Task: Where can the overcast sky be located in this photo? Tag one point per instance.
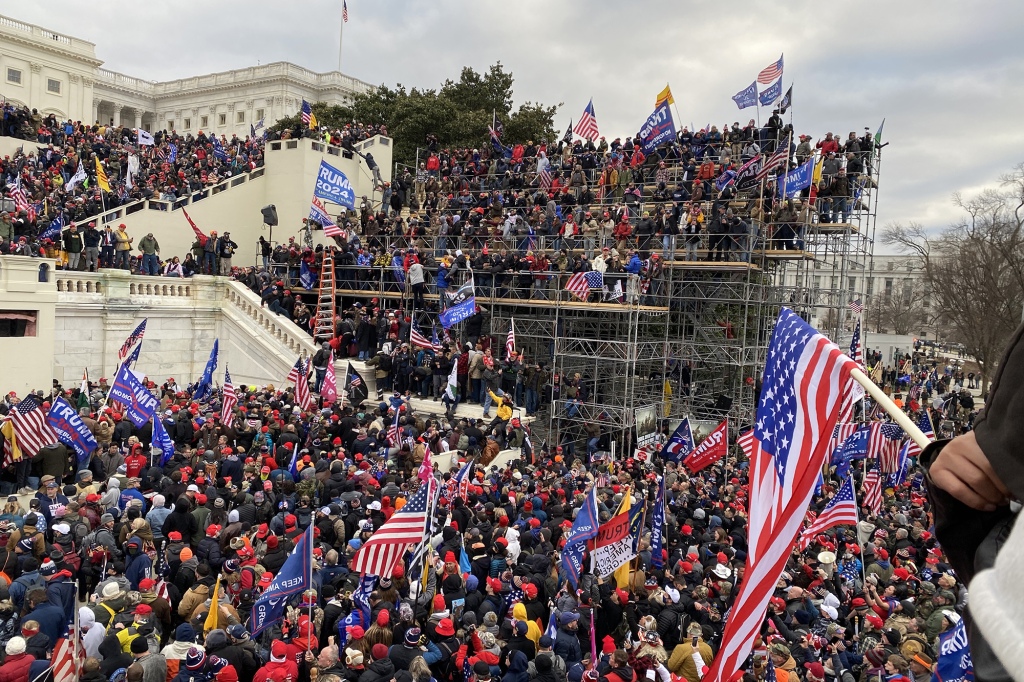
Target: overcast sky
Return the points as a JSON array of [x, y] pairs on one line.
[[945, 75]]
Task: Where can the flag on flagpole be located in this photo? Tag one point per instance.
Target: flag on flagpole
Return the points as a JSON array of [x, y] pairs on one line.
[[307, 114], [871, 489], [680, 443], [355, 388], [803, 383], [145, 138], [133, 338], [199, 235], [580, 284], [510, 340], [856, 307], [584, 529], [101, 176], [294, 577], [63, 662], [394, 431], [329, 391], [344, 11], [924, 422], [658, 527], [664, 96], [622, 572], [787, 101], [840, 511], [381, 553], [79, 177], [779, 158], [30, 426], [587, 126], [229, 400], [567, 138], [856, 347], [318, 212], [83, 390], [452, 389], [878, 133], [202, 389], [302, 395], [770, 73], [212, 621]]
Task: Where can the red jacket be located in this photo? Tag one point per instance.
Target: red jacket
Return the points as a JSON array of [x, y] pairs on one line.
[[15, 668], [271, 672]]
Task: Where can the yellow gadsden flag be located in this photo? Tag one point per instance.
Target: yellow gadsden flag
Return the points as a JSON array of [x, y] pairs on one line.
[[622, 572], [213, 617], [101, 176], [664, 96]]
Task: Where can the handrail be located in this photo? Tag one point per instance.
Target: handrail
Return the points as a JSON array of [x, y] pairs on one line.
[[244, 301]]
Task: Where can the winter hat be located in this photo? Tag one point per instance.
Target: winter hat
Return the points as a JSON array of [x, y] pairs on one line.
[[140, 645], [353, 657], [607, 645], [278, 651], [227, 674], [195, 659], [379, 651], [521, 628], [383, 619], [15, 646], [233, 516], [412, 636], [185, 554], [185, 633], [439, 604], [876, 657]]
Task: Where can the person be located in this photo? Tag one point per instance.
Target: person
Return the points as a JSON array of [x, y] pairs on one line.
[[150, 249], [73, 245], [225, 250], [17, 662], [122, 247]]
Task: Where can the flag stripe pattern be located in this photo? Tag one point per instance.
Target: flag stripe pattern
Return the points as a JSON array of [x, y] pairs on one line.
[[129, 343], [884, 445], [302, 394], [307, 112], [419, 341], [804, 378], [394, 432], [777, 159], [770, 73], [379, 555], [65, 667], [510, 340], [230, 399], [586, 127], [856, 307], [581, 283], [924, 423], [30, 427], [344, 11], [841, 510], [871, 489]]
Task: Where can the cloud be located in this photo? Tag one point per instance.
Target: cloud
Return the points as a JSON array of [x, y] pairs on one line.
[[943, 75]]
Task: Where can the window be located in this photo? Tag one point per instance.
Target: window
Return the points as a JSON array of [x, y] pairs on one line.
[[871, 286], [13, 75], [888, 288], [240, 117], [222, 119], [853, 284], [53, 86], [889, 266], [204, 121], [188, 124], [259, 114], [908, 290], [170, 124], [817, 282], [18, 323]]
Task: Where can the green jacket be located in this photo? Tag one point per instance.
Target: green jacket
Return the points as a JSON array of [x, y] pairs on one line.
[[149, 245]]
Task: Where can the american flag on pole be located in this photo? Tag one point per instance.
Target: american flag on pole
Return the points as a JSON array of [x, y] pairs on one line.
[[30, 428], [381, 553], [581, 283], [884, 445], [63, 662], [459, 483], [293, 375], [770, 73], [344, 11], [19, 197], [804, 378], [394, 432], [840, 511], [544, 178], [871, 489], [419, 341], [924, 422], [510, 340], [230, 400], [856, 307], [307, 112], [586, 127], [318, 212], [780, 157], [302, 395], [133, 338], [856, 346]]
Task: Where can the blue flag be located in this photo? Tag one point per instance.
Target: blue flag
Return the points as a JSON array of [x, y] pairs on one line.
[[295, 576], [746, 97], [583, 529], [658, 527], [332, 185], [854, 447], [134, 356], [499, 147], [55, 228], [552, 628], [797, 179], [461, 306], [306, 276], [71, 430], [636, 519], [163, 441], [772, 93], [173, 155], [680, 443], [725, 179], [658, 128], [464, 564], [293, 466], [398, 270], [140, 405], [218, 149], [205, 382], [954, 663]]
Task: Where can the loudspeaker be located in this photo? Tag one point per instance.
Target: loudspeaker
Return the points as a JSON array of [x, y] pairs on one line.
[[269, 215]]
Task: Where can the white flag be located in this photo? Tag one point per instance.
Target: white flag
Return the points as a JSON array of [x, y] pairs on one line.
[[452, 390], [77, 178], [145, 137]]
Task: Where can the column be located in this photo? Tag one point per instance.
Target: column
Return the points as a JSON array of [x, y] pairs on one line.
[[95, 110], [138, 118], [117, 114], [36, 86]]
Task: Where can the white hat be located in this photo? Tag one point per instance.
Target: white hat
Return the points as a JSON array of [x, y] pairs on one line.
[[722, 571], [110, 590], [830, 611], [15, 646], [672, 593], [375, 505], [193, 488], [61, 528], [233, 516]]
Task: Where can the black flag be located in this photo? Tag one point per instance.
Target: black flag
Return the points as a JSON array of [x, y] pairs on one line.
[[787, 100], [567, 138], [355, 387]]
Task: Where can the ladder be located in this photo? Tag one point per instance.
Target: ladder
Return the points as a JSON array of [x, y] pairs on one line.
[[324, 329]]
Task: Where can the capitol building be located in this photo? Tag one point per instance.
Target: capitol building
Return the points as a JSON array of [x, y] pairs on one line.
[[62, 75]]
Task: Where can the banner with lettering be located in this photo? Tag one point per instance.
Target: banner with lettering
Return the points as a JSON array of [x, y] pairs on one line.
[[294, 577], [613, 546], [710, 450], [954, 663], [140, 405], [332, 185], [658, 129], [71, 430]]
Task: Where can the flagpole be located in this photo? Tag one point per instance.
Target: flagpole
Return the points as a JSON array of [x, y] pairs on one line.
[[341, 34], [883, 401], [309, 582], [863, 571]]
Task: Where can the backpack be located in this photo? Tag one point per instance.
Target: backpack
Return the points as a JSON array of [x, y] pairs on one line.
[[448, 671], [384, 364], [119, 675]]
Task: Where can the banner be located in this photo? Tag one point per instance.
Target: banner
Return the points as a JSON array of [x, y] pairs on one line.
[[71, 430], [746, 97], [658, 527], [203, 387], [140, 405], [329, 391], [306, 276], [710, 450], [146, 138], [797, 179], [613, 546], [772, 94], [462, 306], [162, 440], [294, 577], [854, 447], [954, 663], [333, 186], [658, 129], [680, 443], [646, 421], [583, 530], [746, 176]]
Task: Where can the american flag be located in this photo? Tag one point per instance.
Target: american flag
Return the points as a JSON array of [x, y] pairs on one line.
[[924, 422], [30, 427], [133, 338], [65, 667], [586, 127], [230, 399], [884, 445], [344, 11], [161, 590], [581, 283], [770, 73], [19, 197], [803, 383], [394, 432], [544, 177], [307, 112], [856, 347], [515, 594], [293, 375], [915, 392], [856, 307], [302, 394], [510, 340], [841, 510], [459, 483], [871, 489], [780, 157], [407, 526], [420, 341]]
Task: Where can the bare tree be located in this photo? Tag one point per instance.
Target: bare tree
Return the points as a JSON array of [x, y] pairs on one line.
[[901, 311], [975, 268]]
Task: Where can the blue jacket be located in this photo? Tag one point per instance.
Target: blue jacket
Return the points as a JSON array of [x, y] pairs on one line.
[[634, 265], [50, 618], [63, 592], [138, 568]]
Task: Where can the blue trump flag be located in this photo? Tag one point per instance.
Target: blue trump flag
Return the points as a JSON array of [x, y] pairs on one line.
[[854, 447], [462, 306], [172, 156], [658, 129], [583, 529], [306, 276], [162, 440], [294, 577], [71, 430], [679, 444], [140, 405], [205, 382], [797, 179], [361, 614], [772, 94], [398, 270], [746, 97], [332, 185], [954, 663], [658, 527], [55, 228]]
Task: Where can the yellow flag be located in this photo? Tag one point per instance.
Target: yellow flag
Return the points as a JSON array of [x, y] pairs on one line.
[[213, 617], [816, 176], [312, 120], [621, 574], [666, 393], [664, 96], [12, 440], [101, 176]]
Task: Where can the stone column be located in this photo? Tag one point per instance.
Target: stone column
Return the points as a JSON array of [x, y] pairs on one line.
[[138, 118], [117, 114], [95, 110]]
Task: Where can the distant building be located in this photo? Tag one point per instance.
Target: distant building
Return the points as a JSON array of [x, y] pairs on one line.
[[59, 74]]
